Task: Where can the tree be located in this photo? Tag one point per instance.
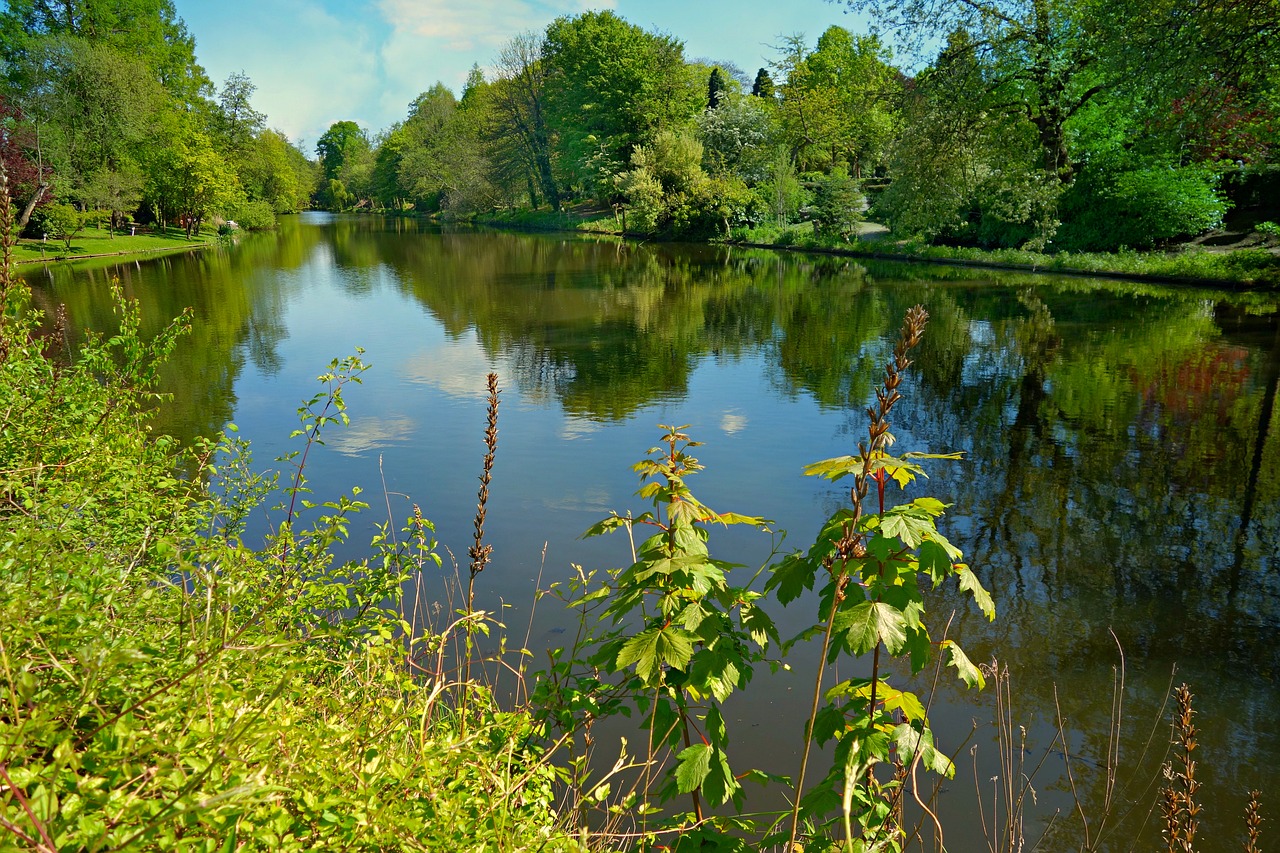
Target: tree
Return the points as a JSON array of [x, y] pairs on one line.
[[117, 192], [87, 120], [1041, 55], [338, 146], [20, 153], [273, 170], [963, 169], [188, 179], [148, 32], [519, 114], [737, 138], [236, 121], [64, 222], [612, 86], [840, 101], [763, 86], [716, 85]]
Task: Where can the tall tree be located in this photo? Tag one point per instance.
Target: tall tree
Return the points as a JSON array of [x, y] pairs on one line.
[[1042, 55], [611, 86], [839, 101], [236, 121], [763, 85], [520, 113], [29, 178], [716, 86]]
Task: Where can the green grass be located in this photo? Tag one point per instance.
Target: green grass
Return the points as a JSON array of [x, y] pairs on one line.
[[97, 241], [1242, 267]]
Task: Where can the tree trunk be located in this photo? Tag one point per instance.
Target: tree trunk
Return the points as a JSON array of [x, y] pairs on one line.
[[25, 216]]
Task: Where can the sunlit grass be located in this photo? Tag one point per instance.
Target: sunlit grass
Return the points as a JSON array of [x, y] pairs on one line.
[[98, 241]]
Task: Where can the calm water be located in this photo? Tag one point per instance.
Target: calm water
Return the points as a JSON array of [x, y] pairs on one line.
[[1120, 487]]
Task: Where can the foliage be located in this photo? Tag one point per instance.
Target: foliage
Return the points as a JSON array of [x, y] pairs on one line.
[[872, 565], [1109, 207], [837, 206], [612, 86], [166, 686], [254, 215], [64, 223]]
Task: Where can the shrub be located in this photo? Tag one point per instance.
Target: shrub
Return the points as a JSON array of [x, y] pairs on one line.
[[1110, 206], [255, 216]]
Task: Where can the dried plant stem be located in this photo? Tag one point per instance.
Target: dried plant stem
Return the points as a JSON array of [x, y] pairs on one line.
[[480, 552], [1177, 799], [1253, 823]]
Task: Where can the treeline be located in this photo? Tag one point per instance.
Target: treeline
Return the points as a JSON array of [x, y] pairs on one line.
[[1040, 124], [105, 112], [1045, 124]]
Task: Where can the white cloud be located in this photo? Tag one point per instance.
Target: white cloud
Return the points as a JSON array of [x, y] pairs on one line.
[[462, 27], [439, 40], [364, 434]]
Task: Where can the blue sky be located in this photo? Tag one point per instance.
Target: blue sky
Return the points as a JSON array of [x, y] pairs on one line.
[[320, 61]]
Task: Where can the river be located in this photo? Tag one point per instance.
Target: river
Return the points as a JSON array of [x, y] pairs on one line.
[[1119, 493]]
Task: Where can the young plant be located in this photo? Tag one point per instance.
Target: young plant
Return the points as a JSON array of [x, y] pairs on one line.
[[685, 637], [872, 603]]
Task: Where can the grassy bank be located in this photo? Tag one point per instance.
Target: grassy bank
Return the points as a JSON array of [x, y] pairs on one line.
[[1190, 264], [98, 242], [1238, 268]]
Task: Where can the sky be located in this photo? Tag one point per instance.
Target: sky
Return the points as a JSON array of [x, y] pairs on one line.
[[315, 62]]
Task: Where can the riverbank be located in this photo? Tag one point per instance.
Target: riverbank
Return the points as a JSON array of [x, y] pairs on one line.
[[99, 243], [1220, 259]]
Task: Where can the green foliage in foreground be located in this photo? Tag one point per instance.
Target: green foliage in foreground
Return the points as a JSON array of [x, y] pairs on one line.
[[165, 687]]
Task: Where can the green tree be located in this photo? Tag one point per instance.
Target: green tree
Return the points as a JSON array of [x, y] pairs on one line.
[[716, 86], [188, 180], [64, 222], [963, 168], [1040, 54], [236, 122], [272, 169], [840, 101], [116, 191], [737, 138], [86, 119], [518, 131], [763, 85], [149, 32], [612, 86], [338, 146]]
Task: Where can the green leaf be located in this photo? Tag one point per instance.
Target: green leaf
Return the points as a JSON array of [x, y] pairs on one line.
[[758, 624], [969, 673], [934, 561], [654, 647], [869, 623], [969, 583], [911, 742], [792, 577], [693, 767]]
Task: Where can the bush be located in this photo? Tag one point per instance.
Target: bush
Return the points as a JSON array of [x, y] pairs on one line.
[[64, 223], [1108, 206], [837, 205], [255, 216]]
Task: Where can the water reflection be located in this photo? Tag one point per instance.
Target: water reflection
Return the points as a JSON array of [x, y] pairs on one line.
[[1121, 451]]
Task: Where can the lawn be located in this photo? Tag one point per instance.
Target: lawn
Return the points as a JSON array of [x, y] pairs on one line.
[[97, 241]]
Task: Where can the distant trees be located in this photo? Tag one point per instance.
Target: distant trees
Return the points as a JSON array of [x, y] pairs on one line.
[[106, 101]]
